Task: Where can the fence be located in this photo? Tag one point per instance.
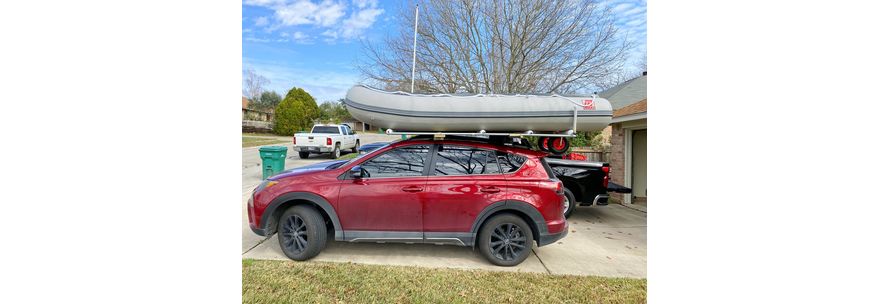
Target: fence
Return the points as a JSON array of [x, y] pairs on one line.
[[592, 155]]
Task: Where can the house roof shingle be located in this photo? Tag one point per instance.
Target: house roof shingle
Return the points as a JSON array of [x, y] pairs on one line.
[[622, 95], [634, 108]]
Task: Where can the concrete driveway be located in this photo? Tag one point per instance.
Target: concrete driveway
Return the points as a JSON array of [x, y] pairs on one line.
[[604, 241]]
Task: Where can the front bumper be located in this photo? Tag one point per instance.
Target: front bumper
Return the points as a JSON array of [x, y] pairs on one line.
[[313, 149], [547, 239]]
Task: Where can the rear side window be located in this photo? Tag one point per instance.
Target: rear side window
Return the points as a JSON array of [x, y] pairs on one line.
[[326, 130], [510, 162], [463, 160], [401, 162]]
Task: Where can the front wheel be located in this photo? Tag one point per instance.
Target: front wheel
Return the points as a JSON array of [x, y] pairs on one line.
[[505, 240], [301, 233], [355, 149]]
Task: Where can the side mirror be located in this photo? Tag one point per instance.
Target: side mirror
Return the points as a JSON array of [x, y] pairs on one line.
[[356, 172]]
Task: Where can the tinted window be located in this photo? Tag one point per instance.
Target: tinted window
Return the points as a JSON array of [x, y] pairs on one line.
[[407, 161], [342, 128], [510, 162], [462, 160], [325, 130]]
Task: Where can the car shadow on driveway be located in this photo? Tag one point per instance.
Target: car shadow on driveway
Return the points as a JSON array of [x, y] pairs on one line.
[[604, 241]]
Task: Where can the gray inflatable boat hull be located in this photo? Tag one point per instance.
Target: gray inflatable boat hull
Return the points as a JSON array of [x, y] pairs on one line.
[[470, 113]]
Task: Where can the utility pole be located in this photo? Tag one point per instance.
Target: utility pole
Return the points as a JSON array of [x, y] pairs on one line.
[[414, 59]]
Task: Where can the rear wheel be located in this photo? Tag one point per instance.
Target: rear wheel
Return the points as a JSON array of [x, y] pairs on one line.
[[505, 240], [336, 153], [301, 233], [304, 154], [568, 203]]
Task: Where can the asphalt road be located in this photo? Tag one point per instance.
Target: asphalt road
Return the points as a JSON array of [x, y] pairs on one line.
[[604, 241]]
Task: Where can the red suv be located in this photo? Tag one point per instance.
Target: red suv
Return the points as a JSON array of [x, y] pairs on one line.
[[456, 191]]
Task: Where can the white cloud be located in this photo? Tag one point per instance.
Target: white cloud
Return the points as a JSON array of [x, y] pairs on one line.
[[301, 38], [263, 2], [261, 21], [365, 3], [326, 13], [358, 22]]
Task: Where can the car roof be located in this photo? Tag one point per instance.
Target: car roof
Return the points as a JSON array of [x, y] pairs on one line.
[[470, 141]]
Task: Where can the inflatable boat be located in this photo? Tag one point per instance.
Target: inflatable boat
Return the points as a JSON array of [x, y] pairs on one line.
[[471, 113]]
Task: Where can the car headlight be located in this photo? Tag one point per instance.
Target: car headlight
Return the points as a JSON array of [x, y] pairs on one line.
[[263, 185]]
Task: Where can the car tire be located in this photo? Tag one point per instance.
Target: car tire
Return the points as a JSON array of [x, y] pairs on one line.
[[504, 227], [355, 149], [336, 153], [303, 155], [572, 203], [301, 233]]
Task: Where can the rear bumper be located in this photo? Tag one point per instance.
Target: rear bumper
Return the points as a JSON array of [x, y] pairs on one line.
[[313, 149], [601, 200], [547, 239]]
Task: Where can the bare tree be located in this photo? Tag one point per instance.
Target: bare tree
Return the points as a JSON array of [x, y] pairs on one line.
[[253, 84], [524, 46]]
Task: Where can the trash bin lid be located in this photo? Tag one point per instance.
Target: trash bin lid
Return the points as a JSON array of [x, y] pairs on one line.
[[273, 149]]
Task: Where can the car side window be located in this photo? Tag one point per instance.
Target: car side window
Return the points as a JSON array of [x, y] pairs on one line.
[[343, 130], [510, 162], [401, 162], [463, 160]]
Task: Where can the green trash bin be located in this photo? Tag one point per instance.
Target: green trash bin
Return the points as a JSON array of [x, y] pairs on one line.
[[273, 159]]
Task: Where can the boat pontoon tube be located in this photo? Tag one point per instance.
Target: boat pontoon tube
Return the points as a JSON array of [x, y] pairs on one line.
[[494, 113]]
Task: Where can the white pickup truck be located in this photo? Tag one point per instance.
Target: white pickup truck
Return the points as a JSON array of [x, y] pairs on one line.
[[326, 139]]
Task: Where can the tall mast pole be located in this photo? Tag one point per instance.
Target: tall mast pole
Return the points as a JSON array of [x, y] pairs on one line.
[[414, 59]]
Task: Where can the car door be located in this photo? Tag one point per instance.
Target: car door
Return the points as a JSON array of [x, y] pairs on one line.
[[387, 198], [463, 181]]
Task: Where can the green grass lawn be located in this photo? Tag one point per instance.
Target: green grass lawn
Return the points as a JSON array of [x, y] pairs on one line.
[[250, 141], [302, 282]]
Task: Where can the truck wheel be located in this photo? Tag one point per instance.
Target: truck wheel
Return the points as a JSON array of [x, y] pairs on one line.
[[304, 155], [355, 149], [505, 240], [336, 153], [301, 233], [568, 203]]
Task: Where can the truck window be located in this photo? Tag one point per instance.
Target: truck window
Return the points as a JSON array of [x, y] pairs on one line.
[[325, 130]]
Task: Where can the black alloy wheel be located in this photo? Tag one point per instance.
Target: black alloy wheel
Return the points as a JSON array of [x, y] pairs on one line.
[[295, 235], [302, 233], [505, 240]]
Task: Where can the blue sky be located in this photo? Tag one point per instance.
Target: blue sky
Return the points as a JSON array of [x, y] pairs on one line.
[[316, 44]]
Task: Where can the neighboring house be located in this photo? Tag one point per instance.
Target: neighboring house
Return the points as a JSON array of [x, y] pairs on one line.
[[628, 128], [253, 120]]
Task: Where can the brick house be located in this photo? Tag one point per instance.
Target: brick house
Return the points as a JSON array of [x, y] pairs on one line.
[[628, 128]]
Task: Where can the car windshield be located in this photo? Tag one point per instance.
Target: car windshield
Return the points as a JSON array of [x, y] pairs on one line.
[[326, 130]]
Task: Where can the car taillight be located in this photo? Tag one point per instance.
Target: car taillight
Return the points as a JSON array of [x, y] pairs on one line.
[[605, 176], [329, 141]]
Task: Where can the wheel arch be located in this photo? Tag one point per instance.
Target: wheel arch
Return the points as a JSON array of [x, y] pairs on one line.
[[522, 209], [270, 216]]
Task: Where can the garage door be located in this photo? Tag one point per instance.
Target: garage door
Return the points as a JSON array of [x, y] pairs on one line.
[[638, 153]]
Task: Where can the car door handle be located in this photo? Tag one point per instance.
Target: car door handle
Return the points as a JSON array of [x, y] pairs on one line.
[[412, 189], [490, 190]]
